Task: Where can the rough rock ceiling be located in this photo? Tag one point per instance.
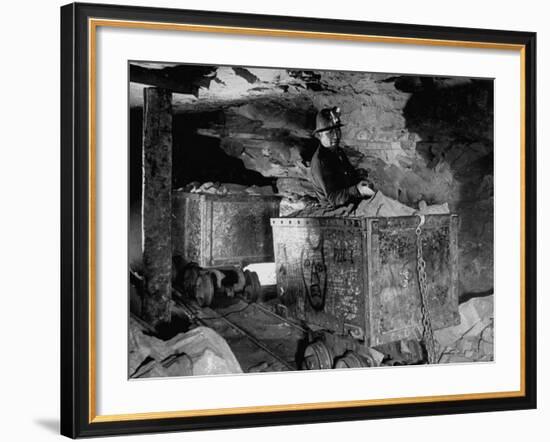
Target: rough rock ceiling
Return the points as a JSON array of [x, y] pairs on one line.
[[215, 87], [229, 85]]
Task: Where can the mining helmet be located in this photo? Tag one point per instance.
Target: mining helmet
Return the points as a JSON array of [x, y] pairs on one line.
[[327, 119]]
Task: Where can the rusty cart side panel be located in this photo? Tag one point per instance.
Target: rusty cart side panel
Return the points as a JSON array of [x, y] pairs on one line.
[[365, 270], [395, 295], [319, 267], [186, 227], [345, 282], [215, 230]]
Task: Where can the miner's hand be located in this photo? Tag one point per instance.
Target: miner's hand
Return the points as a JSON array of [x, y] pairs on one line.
[[364, 189]]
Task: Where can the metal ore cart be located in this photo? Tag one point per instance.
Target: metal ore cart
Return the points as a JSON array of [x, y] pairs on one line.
[[220, 230], [368, 283]]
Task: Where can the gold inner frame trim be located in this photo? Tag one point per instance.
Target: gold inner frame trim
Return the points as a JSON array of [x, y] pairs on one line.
[[93, 24]]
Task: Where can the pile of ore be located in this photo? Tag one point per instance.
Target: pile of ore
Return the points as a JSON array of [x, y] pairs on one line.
[[227, 189]]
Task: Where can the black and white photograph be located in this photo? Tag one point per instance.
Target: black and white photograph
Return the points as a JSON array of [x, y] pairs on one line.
[[274, 221], [285, 219]]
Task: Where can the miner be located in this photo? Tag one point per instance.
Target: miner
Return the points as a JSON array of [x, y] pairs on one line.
[[338, 187], [334, 179]]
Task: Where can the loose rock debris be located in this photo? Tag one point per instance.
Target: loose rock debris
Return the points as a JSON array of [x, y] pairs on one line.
[[472, 339], [200, 351]]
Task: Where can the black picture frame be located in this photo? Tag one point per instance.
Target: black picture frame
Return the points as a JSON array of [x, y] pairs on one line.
[[77, 418]]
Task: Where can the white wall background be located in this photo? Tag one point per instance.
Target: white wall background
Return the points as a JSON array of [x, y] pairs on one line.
[[29, 233]]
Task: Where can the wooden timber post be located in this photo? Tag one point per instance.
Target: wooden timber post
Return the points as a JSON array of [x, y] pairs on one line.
[[156, 206]]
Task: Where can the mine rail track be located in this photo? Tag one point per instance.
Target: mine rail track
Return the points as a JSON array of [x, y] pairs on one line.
[[242, 325], [278, 351]]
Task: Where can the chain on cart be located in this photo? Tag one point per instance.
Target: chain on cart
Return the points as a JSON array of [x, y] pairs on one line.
[[427, 332]]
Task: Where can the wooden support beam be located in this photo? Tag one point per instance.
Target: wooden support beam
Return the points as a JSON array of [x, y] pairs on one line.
[[157, 205], [181, 79]]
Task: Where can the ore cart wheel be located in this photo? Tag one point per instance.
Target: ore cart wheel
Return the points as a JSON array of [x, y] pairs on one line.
[[241, 280], [317, 356], [189, 279], [350, 359], [369, 361], [204, 289], [252, 289]]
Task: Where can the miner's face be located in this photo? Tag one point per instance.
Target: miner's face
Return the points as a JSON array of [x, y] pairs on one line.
[[331, 137]]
